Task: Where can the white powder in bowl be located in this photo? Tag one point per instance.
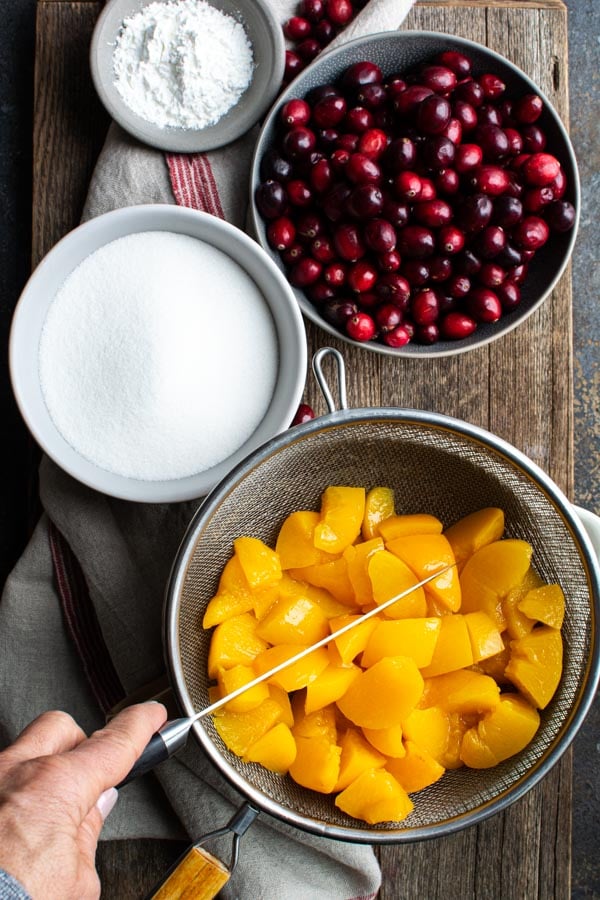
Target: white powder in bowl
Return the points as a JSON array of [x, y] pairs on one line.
[[158, 357], [182, 64]]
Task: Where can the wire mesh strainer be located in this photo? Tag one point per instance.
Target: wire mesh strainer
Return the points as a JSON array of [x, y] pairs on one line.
[[437, 465]]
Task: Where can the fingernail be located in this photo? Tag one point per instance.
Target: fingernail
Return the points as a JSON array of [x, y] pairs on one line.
[[106, 801]]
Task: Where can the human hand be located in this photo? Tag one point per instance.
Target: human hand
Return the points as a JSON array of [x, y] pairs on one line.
[[56, 789]]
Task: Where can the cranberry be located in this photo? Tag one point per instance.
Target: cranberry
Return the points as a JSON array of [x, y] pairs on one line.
[[304, 413], [491, 275], [337, 312], [475, 212], [433, 114], [458, 286], [453, 131], [372, 96], [293, 65], [397, 337], [321, 176], [407, 102], [362, 276], [320, 292], [534, 139], [424, 307], [438, 152], [334, 202], [450, 239], [320, 91], [380, 235], [373, 142], [348, 242], [305, 272], [281, 233], [298, 142], [528, 109], [468, 156], [433, 213], [440, 79], [559, 185], [508, 211], [467, 263], [335, 274], [321, 248], [518, 274], [466, 114], [297, 28], [440, 268], [396, 212], [388, 316], [360, 74], [328, 138], [298, 192], [361, 169], [416, 272], [368, 300], [428, 334], [484, 305], [291, 256], [509, 294], [271, 199], [560, 215], [457, 62], [295, 112], [365, 201], [532, 233], [339, 159], [274, 166], [400, 155], [489, 115], [489, 179], [347, 142], [457, 325], [407, 185], [324, 32], [389, 261], [509, 256], [414, 240], [330, 111], [395, 86], [490, 242], [537, 198], [493, 87], [358, 119], [515, 141], [393, 288], [493, 141], [470, 92], [447, 181], [360, 327], [308, 226], [540, 169], [427, 190]]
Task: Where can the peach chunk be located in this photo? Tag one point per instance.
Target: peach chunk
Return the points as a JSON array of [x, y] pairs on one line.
[[384, 694], [354, 641], [293, 620], [379, 505], [545, 604], [233, 596], [295, 545], [357, 756], [317, 764], [234, 643], [259, 563], [475, 531], [230, 680], [453, 648], [486, 640], [412, 523], [391, 576], [357, 559], [329, 606], [342, 512], [463, 691], [298, 674], [239, 731], [282, 698], [416, 770], [403, 637], [321, 723], [375, 796], [517, 623], [276, 750], [332, 576], [500, 734], [428, 729], [387, 740], [535, 664], [490, 574], [426, 554], [329, 686]]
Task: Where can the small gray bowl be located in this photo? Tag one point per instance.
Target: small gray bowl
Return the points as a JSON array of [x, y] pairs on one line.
[[396, 52], [264, 33]]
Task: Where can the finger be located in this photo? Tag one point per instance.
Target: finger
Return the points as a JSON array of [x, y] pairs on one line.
[[107, 756], [52, 732]]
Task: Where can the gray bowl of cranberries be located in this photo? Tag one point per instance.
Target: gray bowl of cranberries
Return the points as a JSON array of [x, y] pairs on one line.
[[418, 190]]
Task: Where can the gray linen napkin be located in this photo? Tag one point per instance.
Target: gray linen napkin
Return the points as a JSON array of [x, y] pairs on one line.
[[125, 552]]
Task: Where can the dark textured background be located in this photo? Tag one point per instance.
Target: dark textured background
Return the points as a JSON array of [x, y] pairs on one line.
[[16, 93]]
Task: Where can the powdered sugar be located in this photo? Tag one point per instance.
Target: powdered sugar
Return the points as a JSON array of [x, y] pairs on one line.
[[182, 64], [158, 357]]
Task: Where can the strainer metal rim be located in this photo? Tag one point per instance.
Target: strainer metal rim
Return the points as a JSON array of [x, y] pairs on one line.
[[569, 727]]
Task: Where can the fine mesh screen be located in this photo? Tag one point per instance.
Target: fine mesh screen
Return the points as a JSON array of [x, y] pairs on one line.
[[431, 469]]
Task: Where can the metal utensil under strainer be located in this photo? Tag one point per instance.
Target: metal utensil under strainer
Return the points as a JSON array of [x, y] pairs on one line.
[[437, 465]]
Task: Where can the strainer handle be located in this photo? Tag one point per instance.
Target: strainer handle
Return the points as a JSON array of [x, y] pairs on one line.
[[317, 365]]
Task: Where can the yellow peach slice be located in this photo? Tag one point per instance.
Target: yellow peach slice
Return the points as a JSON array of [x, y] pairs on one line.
[[379, 505], [298, 674], [230, 680], [485, 638], [295, 541], [475, 531], [500, 734], [384, 694], [239, 731], [357, 756], [403, 637], [234, 643], [317, 764], [375, 796], [453, 647], [332, 576], [544, 604], [416, 770], [426, 554], [354, 641], [357, 559], [391, 576], [260, 564], [329, 686], [517, 623], [276, 750], [341, 517], [535, 664], [428, 729], [490, 574], [463, 691], [387, 740], [293, 620], [413, 523]]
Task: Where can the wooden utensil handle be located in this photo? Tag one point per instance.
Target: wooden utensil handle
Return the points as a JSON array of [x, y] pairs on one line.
[[197, 875]]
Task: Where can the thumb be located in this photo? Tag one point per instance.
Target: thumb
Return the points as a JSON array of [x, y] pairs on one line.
[[91, 826]]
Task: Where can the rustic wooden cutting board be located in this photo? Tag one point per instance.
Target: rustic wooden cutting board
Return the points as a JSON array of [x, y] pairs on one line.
[[526, 851]]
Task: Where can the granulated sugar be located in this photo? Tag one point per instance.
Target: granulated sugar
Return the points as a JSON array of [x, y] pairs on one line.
[[182, 64], [158, 357]]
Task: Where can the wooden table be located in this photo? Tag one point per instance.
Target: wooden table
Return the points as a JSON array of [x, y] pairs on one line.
[[520, 388]]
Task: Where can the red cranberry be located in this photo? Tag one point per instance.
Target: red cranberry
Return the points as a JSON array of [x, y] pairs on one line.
[[293, 254], [493, 87], [509, 294], [484, 305], [450, 239], [365, 201], [559, 185], [491, 275], [298, 192], [320, 292], [298, 142], [540, 169], [518, 274], [297, 28], [362, 276], [475, 212], [395, 86], [358, 119], [368, 300], [489, 179], [339, 160], [432, 213], [466, 115], [534, 139], [389, 261], [537, 198], [372, 96], [348, 142], [427, 334], [470, 92], [305, 272], [457, 325], [440, 268], [414, 240], [458, 286], [453, 131], [490, 242], [508, 211], [427, 189], [348, 242], [560, 215], [360, 74], [400, 155], [515, 141], [328, 138], [321, 248], [447, 181], [271, 199], [388, 316], [304, 413], [334, 202], [440, 79], [528, 108], [424, 307], [324, 32], [397, 337], [308, 49], [493, 141], [329, 111], [433, 114], [393, 288], [336, 312], [467, 263], [380, 235], [281, 233], [509, 256], [335, 274], [308, 226], [468, 156], [293, 65], [321, 176], [407, 185], [438, 152], [373, 142], [407, 102], [489, 115], [416, 272], [274, 166], [360, 327], [295, 112], [396, 212], [532, 233], [457, 62]]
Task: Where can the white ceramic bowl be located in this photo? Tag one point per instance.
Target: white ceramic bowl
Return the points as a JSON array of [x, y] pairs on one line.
[[398, 52], [264, 34], [46, 280]]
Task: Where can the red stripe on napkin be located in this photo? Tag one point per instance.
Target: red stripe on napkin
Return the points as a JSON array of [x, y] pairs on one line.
[[193, 182], [82, 623]]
